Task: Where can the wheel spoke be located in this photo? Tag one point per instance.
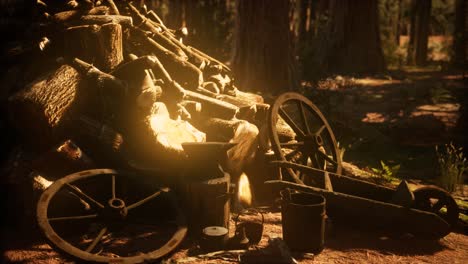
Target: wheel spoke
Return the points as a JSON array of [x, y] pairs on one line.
[[82, 195], [300, 104], [303, 161], [316, 162], [290, 122], [78, 217], [83, 202], [327, 158], [292, 144], [291, 154], [147, 199], [113, 186], [97, 239], [320, 130]]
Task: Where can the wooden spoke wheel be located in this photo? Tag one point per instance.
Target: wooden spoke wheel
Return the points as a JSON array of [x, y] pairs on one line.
[[438, 201], [102, 215], [299, 133]]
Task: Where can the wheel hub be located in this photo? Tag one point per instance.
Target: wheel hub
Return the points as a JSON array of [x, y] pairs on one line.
[[318, 140], [116, 209], [315, 143]]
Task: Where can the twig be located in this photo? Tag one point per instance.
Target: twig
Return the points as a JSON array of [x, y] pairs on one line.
[[232, 256]]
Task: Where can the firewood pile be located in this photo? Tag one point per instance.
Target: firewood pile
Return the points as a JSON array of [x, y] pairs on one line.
[[112, 77]]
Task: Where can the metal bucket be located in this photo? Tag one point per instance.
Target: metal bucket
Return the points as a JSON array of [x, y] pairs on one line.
[[303, 219]]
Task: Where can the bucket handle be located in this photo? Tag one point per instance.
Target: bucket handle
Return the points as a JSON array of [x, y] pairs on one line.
[[247, 210]]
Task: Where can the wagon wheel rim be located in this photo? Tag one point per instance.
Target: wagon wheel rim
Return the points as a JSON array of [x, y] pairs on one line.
[[314, 144], [437, 201], [106, 214]]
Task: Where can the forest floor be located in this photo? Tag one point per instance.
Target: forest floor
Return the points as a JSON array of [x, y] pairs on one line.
[[397, 118]]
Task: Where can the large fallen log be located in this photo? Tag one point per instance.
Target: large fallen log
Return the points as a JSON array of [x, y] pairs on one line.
[[44, 106], [98, 45]]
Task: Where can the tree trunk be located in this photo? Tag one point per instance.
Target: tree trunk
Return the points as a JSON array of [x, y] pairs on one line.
[[262, 56], [318, 8], [419, 32], [176, 14], [302, 26], [398, 23], [304, 8], [353, 41], [461, 30], [99, 45]]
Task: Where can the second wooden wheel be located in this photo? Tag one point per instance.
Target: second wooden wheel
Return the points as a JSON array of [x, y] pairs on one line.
[[299, 133], [106, 216]]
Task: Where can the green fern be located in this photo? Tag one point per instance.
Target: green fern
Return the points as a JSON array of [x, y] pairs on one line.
[[387, 173]]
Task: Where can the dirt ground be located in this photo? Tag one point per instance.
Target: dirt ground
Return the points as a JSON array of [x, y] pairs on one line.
[[342, 245], [396, 118]]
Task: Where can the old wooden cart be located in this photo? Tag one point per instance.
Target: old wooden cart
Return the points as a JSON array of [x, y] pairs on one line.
[[310, 161], [307, 158]]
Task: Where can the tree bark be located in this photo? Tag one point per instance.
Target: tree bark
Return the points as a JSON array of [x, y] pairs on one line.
[[263, 54], [419, 32], [99, 45], [461, 30], [352, 44], [67, 18], [46, 106], [125, 21]]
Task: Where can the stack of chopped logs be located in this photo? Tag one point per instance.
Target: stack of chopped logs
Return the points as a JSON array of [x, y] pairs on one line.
[[123, 81]]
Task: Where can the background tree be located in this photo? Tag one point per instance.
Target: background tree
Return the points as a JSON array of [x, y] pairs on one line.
[[352, 41], [209, 24], [390, 30], [419, 32], [460, 45], [176, 16], [263, 54], [301, 29]]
